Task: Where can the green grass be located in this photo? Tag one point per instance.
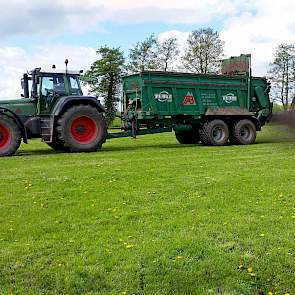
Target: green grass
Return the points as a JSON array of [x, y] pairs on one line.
[[150, 216]]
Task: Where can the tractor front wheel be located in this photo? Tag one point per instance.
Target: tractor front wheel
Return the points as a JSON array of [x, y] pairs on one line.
[[82, 129], [10, 136]]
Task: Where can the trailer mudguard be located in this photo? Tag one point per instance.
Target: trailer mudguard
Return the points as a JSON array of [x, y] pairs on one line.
[[18, 121], [69, 101]]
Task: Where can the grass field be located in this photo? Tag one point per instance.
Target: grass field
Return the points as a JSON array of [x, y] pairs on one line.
[[150, 216]]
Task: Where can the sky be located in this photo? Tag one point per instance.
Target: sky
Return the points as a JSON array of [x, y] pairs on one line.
[[41, 33]]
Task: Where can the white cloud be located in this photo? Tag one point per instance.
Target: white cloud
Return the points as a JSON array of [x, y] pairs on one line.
[[23, 17], [181, 36], [253, 26], [15, 61], [258, 31]]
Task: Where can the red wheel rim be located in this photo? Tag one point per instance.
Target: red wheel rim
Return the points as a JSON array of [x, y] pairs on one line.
[[84, 130], [5, 137]]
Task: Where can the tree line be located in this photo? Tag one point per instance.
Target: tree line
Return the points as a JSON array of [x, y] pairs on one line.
[[282, 76], [202, 54]]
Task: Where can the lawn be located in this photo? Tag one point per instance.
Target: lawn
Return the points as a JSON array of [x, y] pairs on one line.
[[150, 216]]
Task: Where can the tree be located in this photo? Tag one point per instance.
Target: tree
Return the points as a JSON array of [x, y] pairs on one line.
[[204, 51], [143, 55], [282, 74], [103, 77], [167, 51]]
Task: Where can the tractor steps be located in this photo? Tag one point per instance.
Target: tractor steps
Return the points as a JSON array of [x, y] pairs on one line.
[[46, 125]]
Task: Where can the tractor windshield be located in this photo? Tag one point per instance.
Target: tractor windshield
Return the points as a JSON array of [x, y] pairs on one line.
[[74, 83]]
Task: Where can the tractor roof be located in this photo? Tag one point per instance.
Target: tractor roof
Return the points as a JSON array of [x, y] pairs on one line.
[[58, 71]]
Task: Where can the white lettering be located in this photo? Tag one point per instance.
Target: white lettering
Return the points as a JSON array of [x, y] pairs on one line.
[[163, 96]]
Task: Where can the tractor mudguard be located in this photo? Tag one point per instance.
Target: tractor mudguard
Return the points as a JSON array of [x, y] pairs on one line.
[[68, 101], [18, 121]]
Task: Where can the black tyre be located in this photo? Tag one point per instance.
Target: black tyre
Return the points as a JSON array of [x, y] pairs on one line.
[[214, 132], [243, 132], [187, 137], [57, 145], [82, 129], [10, 136]]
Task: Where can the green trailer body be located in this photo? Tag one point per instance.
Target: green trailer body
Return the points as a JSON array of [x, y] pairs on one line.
[[213, 109], [183, 97]]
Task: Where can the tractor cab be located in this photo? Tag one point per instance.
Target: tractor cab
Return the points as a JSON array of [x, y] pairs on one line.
[[46, 87]]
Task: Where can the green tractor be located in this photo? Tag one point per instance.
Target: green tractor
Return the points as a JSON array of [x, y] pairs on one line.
[[54, 109]]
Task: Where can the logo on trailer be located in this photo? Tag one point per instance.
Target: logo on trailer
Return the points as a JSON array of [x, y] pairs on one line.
[[229, 98], [163, 96], [189, 100]]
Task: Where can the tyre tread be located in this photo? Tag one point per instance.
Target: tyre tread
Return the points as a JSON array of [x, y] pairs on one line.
[[16, 136], [62, 121]]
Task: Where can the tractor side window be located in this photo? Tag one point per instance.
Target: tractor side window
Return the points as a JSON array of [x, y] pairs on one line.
[[75, 86], [52, 85]]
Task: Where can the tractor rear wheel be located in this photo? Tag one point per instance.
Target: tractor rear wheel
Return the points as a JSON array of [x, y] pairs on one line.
[[10, 136], [243, 132], [57, 145], [82, 129], [187, 137], [214, 132]]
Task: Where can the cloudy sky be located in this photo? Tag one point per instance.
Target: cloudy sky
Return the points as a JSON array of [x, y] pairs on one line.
[[41, 33]]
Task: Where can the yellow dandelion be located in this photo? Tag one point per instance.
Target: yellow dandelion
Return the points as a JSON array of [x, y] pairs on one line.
[[250, 269], [252, 274], [179, 257], [262, 235], [270, 293], [129, 246]]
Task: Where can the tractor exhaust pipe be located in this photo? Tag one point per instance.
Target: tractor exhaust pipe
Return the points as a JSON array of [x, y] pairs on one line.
[[26, 86]]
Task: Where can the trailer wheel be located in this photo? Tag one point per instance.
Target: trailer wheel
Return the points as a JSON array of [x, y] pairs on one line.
[[82, 128], [243, 132], [187, 137], [214, 132], [10, 136]]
